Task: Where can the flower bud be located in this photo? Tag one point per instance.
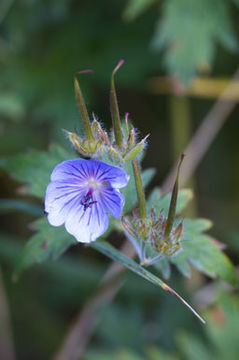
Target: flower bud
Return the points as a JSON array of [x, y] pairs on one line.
[[136, 150], [115, 155]]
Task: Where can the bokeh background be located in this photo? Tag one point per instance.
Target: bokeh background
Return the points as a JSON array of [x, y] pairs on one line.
[[166, 45]]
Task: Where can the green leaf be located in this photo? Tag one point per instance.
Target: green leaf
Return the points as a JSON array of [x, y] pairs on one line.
[[11, 106], [34, 168], [221, 333], [9, 205], [193, 348], [200, 251], [48, 242], [164, 267], [136, 7], [195, 28], [120, 354], [154, 353], [108, 250]]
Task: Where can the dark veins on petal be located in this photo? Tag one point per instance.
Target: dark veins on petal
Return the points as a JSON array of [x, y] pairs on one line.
[[103, 173], [78, 170]]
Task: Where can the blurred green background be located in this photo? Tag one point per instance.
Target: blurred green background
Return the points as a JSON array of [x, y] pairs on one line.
[[42, 44]]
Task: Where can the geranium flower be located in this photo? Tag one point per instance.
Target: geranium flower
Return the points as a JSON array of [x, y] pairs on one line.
[[80, 194]]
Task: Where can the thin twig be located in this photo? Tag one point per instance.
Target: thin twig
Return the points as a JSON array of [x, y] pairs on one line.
[[79, 334], [204, 136], [86, 321], [6, 342]]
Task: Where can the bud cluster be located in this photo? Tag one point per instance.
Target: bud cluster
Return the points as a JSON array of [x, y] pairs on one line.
[[150, 235], [103, 145], [118, 147]]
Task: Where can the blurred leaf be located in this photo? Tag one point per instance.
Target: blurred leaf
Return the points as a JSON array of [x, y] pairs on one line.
[[195, 28], [87, 272], [236, 2], [193, 348], [136, 7], [9, 205], [128, 355], [200, 251], [154, 353], [11, 106], [126, 334], [222, 329], [34, 168], [220, 340], [221, 333], [125, 354], [120, 354], [48, 242]]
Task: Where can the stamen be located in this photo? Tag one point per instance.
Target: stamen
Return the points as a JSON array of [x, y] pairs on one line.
[[87, 200]]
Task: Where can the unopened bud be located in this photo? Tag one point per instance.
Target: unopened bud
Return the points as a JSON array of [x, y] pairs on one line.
[[136, 150], [97, 129], [114, 155]]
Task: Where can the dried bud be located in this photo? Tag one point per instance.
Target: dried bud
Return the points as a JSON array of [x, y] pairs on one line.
[[178, 232], [76, 142], [131, 138], [127, 226]]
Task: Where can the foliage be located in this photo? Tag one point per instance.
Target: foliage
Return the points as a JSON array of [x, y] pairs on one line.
[[42, 45], [220, 335], [198, 248], [195, 28], [189, 27], [34, 168], [136, 7]]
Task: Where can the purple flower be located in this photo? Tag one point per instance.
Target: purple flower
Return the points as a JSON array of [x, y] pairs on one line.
[[80, 194]]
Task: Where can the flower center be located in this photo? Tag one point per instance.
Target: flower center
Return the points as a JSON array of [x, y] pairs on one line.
[[93, 183]]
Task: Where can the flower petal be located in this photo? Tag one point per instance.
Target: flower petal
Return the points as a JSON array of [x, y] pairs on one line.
[[75, 170], [87, 225], [60, 198], [80, 169], [113, 201], [104, 172]]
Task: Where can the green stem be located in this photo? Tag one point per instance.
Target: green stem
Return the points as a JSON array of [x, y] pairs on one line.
[[139, 188], [83, 109], [173, 203], [115, 109]]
